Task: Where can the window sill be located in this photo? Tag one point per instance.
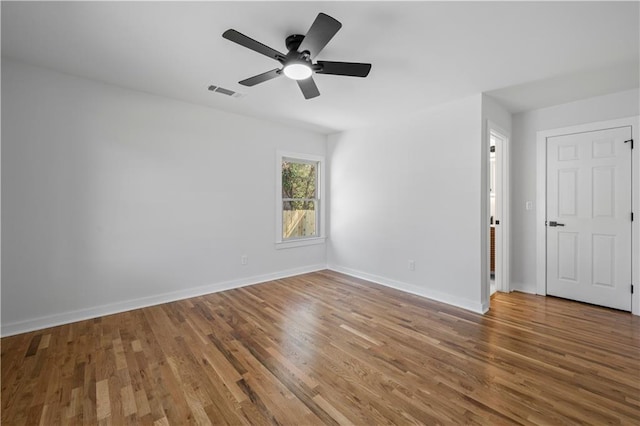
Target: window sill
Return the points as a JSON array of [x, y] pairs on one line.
[[299, 243]]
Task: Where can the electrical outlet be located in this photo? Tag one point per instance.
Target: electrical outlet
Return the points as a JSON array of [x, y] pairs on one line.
[[244, 259], [412, 265]]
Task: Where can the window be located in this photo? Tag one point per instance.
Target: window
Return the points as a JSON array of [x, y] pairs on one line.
[[299, 203]]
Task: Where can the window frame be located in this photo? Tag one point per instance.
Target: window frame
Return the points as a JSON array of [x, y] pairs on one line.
[[319, 238]]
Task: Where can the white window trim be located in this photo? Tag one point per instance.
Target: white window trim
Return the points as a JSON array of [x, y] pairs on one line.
[[320, 219]]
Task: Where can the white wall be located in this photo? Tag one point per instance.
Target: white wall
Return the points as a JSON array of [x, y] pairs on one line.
[[114, 199], [412, 190], [494, 111], [523, 169]]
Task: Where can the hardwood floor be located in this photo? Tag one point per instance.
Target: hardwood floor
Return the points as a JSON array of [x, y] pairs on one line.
[[324, 348]]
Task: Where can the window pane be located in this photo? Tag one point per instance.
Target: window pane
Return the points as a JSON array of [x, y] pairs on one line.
[[298, 179], [298, 219]]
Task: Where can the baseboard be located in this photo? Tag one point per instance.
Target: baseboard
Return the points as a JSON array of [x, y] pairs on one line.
[[128, 305], [459, 302], [523, 288]]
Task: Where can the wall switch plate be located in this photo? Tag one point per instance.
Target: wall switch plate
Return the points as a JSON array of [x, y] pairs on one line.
[[528, 205], [412, 265], [244, 260]]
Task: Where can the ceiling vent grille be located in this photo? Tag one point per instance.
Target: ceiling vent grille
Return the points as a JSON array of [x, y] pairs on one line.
[[227, 92]]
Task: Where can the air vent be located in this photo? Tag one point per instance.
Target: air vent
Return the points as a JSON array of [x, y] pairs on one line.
[[227, 92]]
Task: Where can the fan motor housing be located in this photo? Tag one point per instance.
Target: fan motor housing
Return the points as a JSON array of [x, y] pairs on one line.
[[293, 42]]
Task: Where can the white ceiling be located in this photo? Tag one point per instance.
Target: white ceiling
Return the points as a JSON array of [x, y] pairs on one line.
[[527, 55]]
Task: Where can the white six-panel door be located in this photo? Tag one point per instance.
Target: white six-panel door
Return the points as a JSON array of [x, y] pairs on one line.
[[589, 198]]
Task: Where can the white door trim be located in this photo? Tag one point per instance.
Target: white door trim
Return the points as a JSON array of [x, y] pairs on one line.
[[541, 198], [502, 257]]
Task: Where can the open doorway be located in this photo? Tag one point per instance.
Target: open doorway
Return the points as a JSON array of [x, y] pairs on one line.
[[498, 221]]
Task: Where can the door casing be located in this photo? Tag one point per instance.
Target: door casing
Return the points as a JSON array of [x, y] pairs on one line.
[[502, 210]]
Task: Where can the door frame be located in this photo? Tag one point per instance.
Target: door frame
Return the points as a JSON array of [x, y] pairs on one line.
[[541, 198], [502, 246]]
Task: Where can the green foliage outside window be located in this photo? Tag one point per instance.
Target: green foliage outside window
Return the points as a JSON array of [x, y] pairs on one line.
[[298, 185]]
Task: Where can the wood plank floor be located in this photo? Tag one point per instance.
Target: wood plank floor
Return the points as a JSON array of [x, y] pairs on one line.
[[324, 348]]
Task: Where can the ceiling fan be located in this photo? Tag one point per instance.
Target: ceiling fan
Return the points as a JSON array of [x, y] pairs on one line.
[[298, 64]]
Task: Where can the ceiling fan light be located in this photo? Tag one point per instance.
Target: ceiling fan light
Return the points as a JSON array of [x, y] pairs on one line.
[[297, 71]]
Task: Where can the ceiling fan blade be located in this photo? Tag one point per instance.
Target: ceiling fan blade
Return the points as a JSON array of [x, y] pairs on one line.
[[321, 32], [250, 43], [309, 88], [261, 78], [352, 69]]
